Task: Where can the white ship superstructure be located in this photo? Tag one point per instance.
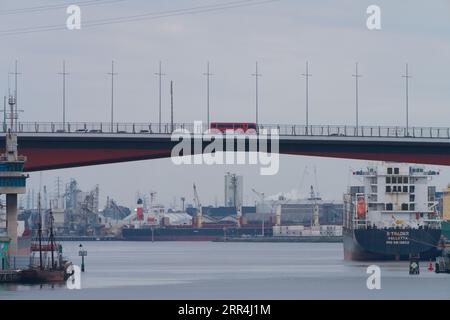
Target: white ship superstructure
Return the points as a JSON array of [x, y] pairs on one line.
[[392, 213], [397, 195]]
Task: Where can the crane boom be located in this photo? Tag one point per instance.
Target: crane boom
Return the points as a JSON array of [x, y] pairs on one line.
[[196, 198], [199, 216], [315, 215]]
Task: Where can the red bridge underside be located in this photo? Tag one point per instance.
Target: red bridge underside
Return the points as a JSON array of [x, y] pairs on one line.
[[41, 159], [47, 159]]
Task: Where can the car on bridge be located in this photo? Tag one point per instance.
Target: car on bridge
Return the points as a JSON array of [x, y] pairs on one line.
[[337, 135], [247, 127]]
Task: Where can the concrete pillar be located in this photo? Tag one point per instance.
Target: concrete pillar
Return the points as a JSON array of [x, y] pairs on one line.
[[11, 221]]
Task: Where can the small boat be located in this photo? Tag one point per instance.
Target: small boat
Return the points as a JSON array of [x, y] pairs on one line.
[[49, 269], [36, 275]]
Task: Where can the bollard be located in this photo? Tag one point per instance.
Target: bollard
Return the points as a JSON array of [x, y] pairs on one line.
[[430, 266], [414, 267]]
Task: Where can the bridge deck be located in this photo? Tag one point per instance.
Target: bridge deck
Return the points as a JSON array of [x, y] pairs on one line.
[[283, 130], [47, 146]]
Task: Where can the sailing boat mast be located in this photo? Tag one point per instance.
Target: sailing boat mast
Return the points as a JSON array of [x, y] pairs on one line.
[[52, 237], [40, 232]]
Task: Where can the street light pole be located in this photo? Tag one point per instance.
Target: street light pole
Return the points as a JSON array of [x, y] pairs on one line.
[[208, 75], [171, 106], [64, 74], [307, 75], [257, 75], [357, 76], [160, 74], [407, 76], [112, 73]]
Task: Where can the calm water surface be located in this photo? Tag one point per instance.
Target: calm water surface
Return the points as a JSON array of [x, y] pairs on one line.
[[210, 270]]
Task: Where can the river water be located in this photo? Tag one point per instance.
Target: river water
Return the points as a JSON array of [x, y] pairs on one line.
[[217, 270]]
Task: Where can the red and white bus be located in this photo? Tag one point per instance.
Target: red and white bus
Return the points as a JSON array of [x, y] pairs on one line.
[[244, 126]]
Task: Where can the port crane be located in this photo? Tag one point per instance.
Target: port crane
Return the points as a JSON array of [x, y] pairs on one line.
[[198, 206], [315, 215]]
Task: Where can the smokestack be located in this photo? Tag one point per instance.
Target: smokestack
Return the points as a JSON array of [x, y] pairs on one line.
[[239, 216]]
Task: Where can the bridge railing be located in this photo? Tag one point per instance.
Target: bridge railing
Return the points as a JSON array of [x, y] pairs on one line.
[[286, 130], [101, 127], [361, 131]]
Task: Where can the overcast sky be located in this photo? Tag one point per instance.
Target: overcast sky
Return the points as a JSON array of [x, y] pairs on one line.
[[281, 35]]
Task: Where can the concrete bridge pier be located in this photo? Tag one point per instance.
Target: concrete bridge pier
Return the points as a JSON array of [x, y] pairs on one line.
[[11, 222], [12, 183]]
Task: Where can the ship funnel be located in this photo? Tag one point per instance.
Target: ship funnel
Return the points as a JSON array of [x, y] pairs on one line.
[[239, 216]]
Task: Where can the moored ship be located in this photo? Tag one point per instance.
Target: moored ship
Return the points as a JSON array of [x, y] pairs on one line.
[[158, 225], [190, 233], [392, 214]]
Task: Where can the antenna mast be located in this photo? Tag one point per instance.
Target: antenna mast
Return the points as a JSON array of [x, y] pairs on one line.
[[15, 110]]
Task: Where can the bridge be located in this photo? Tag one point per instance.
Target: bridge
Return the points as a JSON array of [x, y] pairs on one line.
[[50, 146]]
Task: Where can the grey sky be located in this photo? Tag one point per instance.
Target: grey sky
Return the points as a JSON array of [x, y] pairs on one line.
[[281, 35]]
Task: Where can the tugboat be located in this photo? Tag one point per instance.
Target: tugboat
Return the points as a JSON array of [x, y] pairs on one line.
[[392, 215], [50, 269]]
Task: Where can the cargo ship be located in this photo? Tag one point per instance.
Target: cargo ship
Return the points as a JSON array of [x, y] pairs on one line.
[[213, 232], [159, 225], [392, 214]]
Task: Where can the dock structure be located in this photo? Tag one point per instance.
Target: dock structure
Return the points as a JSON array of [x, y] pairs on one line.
[[10, 276]]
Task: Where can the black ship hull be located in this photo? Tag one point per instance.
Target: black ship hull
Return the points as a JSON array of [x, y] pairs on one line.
[[192, 234], [390, 244]]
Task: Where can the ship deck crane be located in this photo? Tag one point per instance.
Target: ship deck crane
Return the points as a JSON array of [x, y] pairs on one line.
[[152, 200], [315, 215], [198, 205]]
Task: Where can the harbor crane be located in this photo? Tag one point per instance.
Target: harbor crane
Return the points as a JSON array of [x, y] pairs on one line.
[[198, 205], [183, 200], [315, 215]]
